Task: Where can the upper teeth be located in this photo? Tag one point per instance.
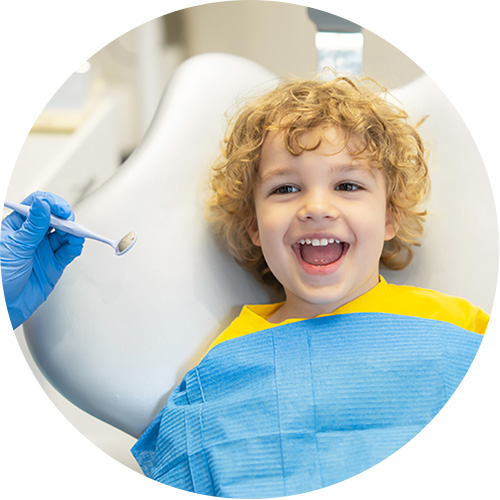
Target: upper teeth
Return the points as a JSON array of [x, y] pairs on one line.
[[318, 242]]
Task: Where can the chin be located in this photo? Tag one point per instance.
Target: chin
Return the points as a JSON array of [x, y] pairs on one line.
[[324, 300]]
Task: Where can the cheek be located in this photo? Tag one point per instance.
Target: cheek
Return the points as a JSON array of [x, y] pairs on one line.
[[271, 221], [272, 235], [371, 225], [270, 238]]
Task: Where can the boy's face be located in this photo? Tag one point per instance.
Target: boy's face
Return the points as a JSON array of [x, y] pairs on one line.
[[321, 221]]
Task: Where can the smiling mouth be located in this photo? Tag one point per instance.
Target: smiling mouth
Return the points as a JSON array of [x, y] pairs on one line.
[[320, 251]]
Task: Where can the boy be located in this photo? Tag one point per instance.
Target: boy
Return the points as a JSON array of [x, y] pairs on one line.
[[320, 181]]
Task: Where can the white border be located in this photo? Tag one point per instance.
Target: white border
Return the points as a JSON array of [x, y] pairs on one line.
[[41, 43]]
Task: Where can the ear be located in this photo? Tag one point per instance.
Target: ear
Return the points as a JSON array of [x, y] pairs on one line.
[[390, 226], [253, 232]]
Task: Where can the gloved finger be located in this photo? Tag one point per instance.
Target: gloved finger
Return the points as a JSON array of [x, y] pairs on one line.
[[36, 225], [58, 206], [13, 222], [57, 239], [67, 252]]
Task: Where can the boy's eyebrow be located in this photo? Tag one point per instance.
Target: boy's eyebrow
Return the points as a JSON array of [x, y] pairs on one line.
[[276, 172], [345, 167], [355, 167]]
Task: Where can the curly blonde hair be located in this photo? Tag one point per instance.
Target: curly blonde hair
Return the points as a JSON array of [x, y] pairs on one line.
[[361, 110]]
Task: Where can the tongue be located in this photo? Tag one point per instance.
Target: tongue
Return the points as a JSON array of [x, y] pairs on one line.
[[321, 256]]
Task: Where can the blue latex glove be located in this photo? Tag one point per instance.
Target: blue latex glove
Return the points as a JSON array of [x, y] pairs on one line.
[[33, 256]]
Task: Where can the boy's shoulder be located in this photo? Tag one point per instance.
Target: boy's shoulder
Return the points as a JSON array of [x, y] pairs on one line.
[[431, 304], [251, 319]]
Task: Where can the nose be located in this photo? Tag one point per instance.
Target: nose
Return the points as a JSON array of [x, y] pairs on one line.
[[318, 205]]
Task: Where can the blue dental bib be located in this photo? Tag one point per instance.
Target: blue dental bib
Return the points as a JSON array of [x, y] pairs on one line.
[[299, 407]]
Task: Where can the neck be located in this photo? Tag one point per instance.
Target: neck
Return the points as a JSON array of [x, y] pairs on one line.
[[297, 308]]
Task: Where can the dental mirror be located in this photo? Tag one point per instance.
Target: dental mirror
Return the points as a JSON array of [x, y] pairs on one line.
[[121, 246]]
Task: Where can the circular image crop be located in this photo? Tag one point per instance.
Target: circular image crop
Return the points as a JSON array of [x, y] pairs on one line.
[[290, 257]]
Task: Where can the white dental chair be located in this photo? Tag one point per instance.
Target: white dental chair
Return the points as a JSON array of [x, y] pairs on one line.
[[117, 334]]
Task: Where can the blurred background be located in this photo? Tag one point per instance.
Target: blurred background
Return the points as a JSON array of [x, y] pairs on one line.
[[101, 113]]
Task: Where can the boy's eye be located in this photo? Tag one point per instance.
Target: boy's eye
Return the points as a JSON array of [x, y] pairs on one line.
[[287, 189], [348, 186]]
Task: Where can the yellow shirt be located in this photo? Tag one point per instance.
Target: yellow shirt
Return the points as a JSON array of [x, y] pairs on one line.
[[383, 298]]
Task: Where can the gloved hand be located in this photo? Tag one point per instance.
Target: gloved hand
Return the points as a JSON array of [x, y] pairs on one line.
[[33, 256]]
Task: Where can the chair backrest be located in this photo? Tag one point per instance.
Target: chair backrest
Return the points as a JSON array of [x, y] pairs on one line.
[[117, 334], [459, 254]]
